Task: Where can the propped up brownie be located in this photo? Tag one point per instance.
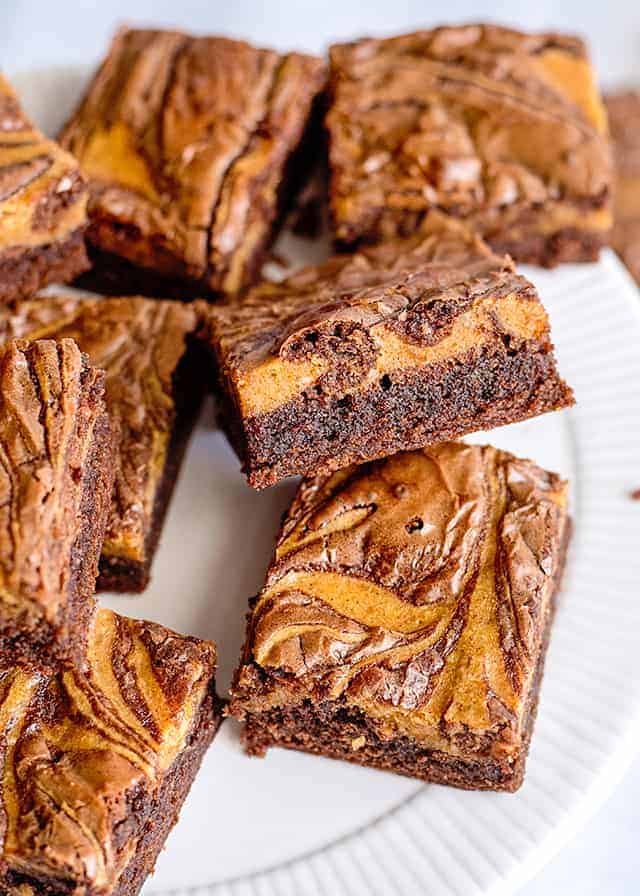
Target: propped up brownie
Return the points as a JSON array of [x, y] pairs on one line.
[[405, 616], [501, 128], [43, 206], [193, 147], [56, 477], [154, 389], [97, 763], [395, 347]]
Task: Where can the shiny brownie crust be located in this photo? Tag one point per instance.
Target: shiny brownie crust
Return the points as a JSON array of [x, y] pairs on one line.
[[483, 389], [333, 726]]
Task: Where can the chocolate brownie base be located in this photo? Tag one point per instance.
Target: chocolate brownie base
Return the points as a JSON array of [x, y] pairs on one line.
[[476, 391], [189, 386], [86, 551], [564, 247], [24, 272], [112, 275], [330, 729], [162, 818]]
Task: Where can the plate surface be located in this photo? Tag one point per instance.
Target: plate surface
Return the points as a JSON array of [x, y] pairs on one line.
[[296, 824]]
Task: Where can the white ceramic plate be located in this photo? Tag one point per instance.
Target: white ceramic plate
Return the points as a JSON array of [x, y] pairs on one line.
[[295, 825]]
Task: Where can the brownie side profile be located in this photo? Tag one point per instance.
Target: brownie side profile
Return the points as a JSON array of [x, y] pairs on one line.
[[623, 110], [101, 760], [405, 616], [56, 479], [154, 391], [503, 129], [192, 146], [395, 347], [43, 201]]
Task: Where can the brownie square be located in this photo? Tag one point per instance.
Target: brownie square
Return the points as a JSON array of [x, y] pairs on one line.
[[405, 616], [395, 347], [98, 763], [191, 148], [56, 477], [501, 128], [154, 390], [43, 206], [624, 120]]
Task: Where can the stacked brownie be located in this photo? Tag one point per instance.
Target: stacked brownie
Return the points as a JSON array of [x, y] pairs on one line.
[[406, 611], [104, 720]]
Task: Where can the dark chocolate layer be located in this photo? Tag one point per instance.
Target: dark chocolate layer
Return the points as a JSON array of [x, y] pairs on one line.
[[480, 390]]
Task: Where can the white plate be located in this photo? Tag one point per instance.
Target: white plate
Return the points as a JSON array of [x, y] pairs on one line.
[[296, 824]]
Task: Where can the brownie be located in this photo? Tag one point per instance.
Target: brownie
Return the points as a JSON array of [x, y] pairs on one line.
[[624, 120], [43, 206], [501, 128], [405, 616], [154, 389], [191, 146], [394, 347], [98, 762], [56, 477]]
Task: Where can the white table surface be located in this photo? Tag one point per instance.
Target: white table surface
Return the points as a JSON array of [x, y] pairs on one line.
[[604, 859]]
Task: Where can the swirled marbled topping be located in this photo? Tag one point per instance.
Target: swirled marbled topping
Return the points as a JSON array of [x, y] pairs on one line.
[[185, 141], [85, 754], [50, 406], [43, 197], [139, 343], [500, 127], [417, 588]]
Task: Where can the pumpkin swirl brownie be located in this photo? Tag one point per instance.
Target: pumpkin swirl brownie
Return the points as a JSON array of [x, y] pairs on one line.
[[56, 477], [624, 119], [405, 616], [501, 128], [192, 146], [395, 347], [43, 202], [154, 388], [97, 763]]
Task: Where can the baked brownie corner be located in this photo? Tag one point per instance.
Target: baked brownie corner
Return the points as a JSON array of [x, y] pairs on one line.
[[123, 739], [43, 199]]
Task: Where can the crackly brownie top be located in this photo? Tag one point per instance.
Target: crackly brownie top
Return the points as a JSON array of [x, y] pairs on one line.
[[43, 197], [183, 136], [85, 753], [624, 120], [346, 323], [417, 588], [139, 343], [467, 118], [50, 402]]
